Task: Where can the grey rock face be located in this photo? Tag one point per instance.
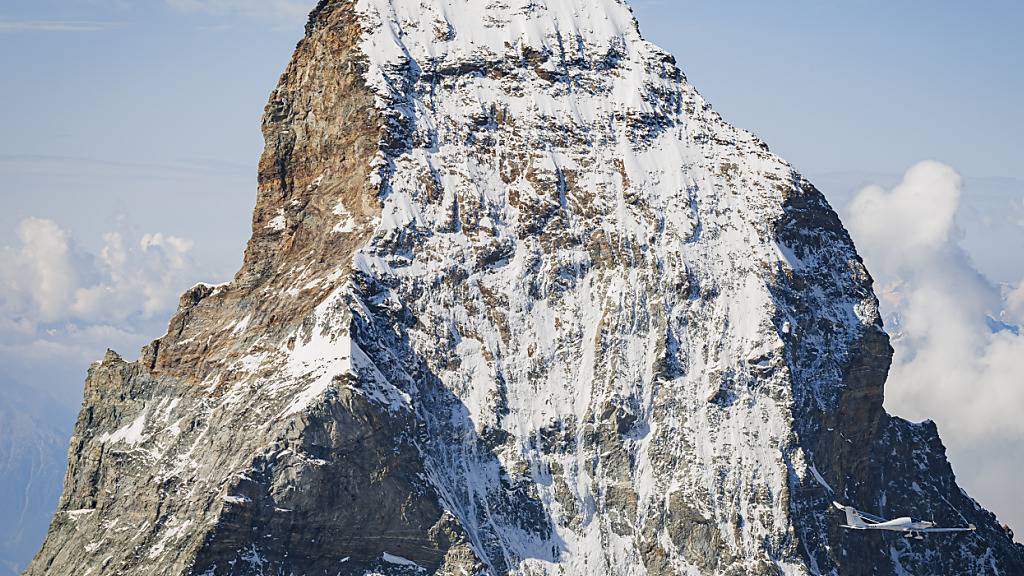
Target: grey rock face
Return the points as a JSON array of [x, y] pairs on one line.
[[517, 301]]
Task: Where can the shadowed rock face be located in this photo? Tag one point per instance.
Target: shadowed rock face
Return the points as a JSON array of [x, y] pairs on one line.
[[517, 301]]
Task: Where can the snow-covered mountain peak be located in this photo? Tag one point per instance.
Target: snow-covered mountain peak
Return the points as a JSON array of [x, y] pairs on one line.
[[517, 301]]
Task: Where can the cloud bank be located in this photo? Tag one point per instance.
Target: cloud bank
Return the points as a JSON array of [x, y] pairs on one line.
[[959, 352], [47, 280], [60, 307]]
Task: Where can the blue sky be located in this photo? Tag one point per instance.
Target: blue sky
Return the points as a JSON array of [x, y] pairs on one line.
[[131, 118], [859, 86], [117, 100]]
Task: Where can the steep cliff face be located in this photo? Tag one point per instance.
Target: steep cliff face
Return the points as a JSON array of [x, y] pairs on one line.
[[517, 301]]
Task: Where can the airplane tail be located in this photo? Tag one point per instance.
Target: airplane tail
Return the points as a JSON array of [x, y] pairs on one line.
[[853, 518]]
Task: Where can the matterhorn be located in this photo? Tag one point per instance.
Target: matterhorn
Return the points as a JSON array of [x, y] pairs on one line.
[[517, 302]]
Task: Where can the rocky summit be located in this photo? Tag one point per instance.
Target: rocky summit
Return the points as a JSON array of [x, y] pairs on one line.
[[517, 301]]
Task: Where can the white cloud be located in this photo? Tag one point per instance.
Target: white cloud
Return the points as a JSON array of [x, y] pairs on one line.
[[1015, 303], [60, 307], [916, 215], [47, 280], [288, 10], [144, 281], [39, 279], [954, 364]]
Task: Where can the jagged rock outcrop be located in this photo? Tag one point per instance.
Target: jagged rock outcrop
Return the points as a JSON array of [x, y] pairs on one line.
[[516, 301]]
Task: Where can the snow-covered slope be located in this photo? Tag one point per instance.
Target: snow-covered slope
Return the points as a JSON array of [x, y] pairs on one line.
[[517, 301]]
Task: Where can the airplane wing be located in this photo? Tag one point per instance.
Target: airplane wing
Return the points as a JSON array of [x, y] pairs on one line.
[[871, 517], [971, 528]]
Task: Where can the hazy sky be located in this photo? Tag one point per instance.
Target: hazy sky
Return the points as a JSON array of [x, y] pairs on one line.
[[149, 107], [131, 135]]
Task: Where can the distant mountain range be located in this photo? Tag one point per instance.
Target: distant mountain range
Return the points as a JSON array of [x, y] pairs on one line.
[[33, 455]]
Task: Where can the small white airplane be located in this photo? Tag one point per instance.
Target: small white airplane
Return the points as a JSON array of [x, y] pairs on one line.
[[857, 520]]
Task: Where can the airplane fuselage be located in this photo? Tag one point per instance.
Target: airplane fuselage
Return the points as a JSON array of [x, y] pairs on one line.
[[902, 525]]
